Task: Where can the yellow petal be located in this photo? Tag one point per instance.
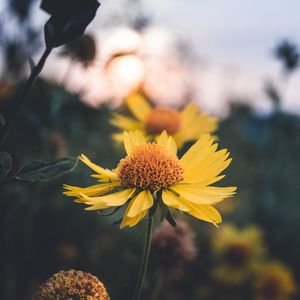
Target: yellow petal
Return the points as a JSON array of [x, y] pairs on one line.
[[202, 162], [194, 124], [143, 201], [207, 169], [171, 200], [127, 221], [132, 139], [203, 194], [115, 199], [104, 174], [93, 190], [97, 206], [167, 142], [125, 123], [118, 137], [139, 106], [197, 151], [204, 212]]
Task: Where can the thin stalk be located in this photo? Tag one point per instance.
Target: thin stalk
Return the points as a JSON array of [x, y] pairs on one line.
[[145, 259], [160, 281], [29, 83]]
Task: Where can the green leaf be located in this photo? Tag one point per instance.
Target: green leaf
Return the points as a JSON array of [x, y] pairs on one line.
[[50, 33], [59, 32], [2, 120], [111, 213], [39, 171], [170, 219], [5, 164]]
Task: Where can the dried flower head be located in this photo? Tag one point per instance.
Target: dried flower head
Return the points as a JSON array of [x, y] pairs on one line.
[[174, 246], [274, 282], [72, 285], [183, 125]]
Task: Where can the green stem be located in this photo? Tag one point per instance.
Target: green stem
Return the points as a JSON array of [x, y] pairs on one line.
[[29, 83], [145, 259], [158, 285]]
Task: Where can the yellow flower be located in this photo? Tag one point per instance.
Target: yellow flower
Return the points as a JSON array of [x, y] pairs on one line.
[[152, 175], [186, 125], [274, 282], [239, 252]]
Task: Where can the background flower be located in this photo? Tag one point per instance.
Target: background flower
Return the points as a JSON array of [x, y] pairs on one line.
[[173, 247], [275, 282], [239, 251], [72, 285], [183, 125]]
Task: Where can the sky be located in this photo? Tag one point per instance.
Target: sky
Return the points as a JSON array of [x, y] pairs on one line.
[[234, 40]]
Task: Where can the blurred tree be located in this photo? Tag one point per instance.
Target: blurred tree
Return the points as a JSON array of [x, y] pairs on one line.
[[287, 52], [21, 8], [24, 43], [273, 93]]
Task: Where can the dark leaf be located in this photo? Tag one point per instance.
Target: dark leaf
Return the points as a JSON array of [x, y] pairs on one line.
[[111, 213], [118, 222], [66, 10], [50, 33], [5, 164], [39, 171], [163, 212], [170, 218], [60, 30]]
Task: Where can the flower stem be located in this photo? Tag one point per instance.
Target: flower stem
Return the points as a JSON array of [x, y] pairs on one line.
[[160, 281], [29, 83], [145, 259]]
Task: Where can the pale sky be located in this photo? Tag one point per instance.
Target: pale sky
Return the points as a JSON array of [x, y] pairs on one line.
[[234, 40]]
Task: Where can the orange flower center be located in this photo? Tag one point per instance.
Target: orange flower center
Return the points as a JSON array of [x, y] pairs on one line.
[[160, 119], [238, 254], [151, 167]]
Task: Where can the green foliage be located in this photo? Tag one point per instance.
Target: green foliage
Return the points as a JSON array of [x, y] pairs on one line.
[[273, 93], [5, 164], [44, 232], [39, 171], [288, 53]]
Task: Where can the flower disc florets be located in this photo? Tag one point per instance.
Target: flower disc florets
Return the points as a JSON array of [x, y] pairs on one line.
[[151, 167], [160, 119], [72, 284]]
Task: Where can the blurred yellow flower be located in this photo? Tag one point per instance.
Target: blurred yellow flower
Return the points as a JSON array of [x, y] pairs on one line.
[[152, 175], [186, 125], [239, 251], [274, 282]]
